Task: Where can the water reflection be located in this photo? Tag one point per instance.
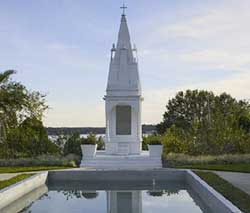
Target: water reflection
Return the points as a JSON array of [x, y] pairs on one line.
[[111, 198], [79, 194], [159, 193], [124, 201]]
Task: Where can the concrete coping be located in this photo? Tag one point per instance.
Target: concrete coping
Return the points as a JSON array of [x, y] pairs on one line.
[[15, 191], [214, 199]]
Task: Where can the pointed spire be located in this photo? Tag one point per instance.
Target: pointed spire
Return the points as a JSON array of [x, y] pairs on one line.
[[123, 70], [123, 41]]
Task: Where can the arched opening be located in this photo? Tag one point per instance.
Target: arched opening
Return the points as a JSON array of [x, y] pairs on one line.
[[123, 120]]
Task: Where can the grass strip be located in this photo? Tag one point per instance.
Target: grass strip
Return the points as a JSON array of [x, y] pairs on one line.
[[244, 168], [30, 168], [232, 193], [6, 183]]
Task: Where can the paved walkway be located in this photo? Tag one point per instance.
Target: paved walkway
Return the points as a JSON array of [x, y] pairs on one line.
[[240, 180], [6, 176]]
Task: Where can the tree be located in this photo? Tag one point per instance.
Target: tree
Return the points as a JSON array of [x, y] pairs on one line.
[[186, 108], [17, 103], [29, 139], [60, 142], [21, 112], [73, 145], [211, 124], [4, 77]]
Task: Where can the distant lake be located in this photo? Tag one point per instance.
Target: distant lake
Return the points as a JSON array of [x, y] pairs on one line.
[[54, 137]]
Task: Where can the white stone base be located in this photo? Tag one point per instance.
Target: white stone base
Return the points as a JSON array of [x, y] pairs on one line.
[[105, 161], [123, 148]]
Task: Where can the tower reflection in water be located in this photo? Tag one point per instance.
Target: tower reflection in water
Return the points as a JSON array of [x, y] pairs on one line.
[[124, 201]]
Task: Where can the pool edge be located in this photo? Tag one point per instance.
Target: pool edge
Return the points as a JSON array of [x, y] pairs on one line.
[[13, 192], [211, 197]]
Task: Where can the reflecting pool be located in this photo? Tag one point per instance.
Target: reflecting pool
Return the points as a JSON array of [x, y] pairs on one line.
[[115, 197]]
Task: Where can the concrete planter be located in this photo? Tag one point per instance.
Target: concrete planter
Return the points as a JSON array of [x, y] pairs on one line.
[[155, 150], [88, 150]]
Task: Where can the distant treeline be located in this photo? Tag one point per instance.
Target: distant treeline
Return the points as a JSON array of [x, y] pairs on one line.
[[146, 128]]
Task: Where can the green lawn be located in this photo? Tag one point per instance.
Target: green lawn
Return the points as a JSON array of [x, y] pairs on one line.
[[235, 195], [29, 168], [5, 183], [220, 167]]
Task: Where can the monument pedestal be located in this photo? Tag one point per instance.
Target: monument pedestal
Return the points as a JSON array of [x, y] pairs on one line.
[[106, 161]]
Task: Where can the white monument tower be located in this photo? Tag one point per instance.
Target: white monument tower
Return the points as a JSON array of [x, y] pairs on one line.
[[123, 101], [123, 97]]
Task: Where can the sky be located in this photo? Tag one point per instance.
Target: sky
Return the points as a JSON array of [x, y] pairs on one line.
[[62, 49]]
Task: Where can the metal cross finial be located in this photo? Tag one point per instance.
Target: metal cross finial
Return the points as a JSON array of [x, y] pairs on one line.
[[123, 9]]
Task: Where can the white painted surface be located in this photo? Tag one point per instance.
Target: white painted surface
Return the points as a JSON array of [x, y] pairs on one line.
[[88, 150], [123, 79], [155, 150], [123, 88], [16, 191], [104, 161]]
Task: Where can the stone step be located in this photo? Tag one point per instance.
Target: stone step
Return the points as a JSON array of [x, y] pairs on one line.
[[120, 163], [123, 160], [99, 164], [135, 166], [105, 164], [122, 157], [135, 161], [124, 167]]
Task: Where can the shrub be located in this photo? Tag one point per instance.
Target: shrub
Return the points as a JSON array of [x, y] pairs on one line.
[[174, 141], [42, 160], [100, 144], [29, 139], [144, 143], [175, 159], [73, 145], [152, 140], [155, 142], [90, 140]]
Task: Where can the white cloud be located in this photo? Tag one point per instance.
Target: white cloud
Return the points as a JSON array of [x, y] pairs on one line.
[[216, 38], [222, 59], [232, 17]]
